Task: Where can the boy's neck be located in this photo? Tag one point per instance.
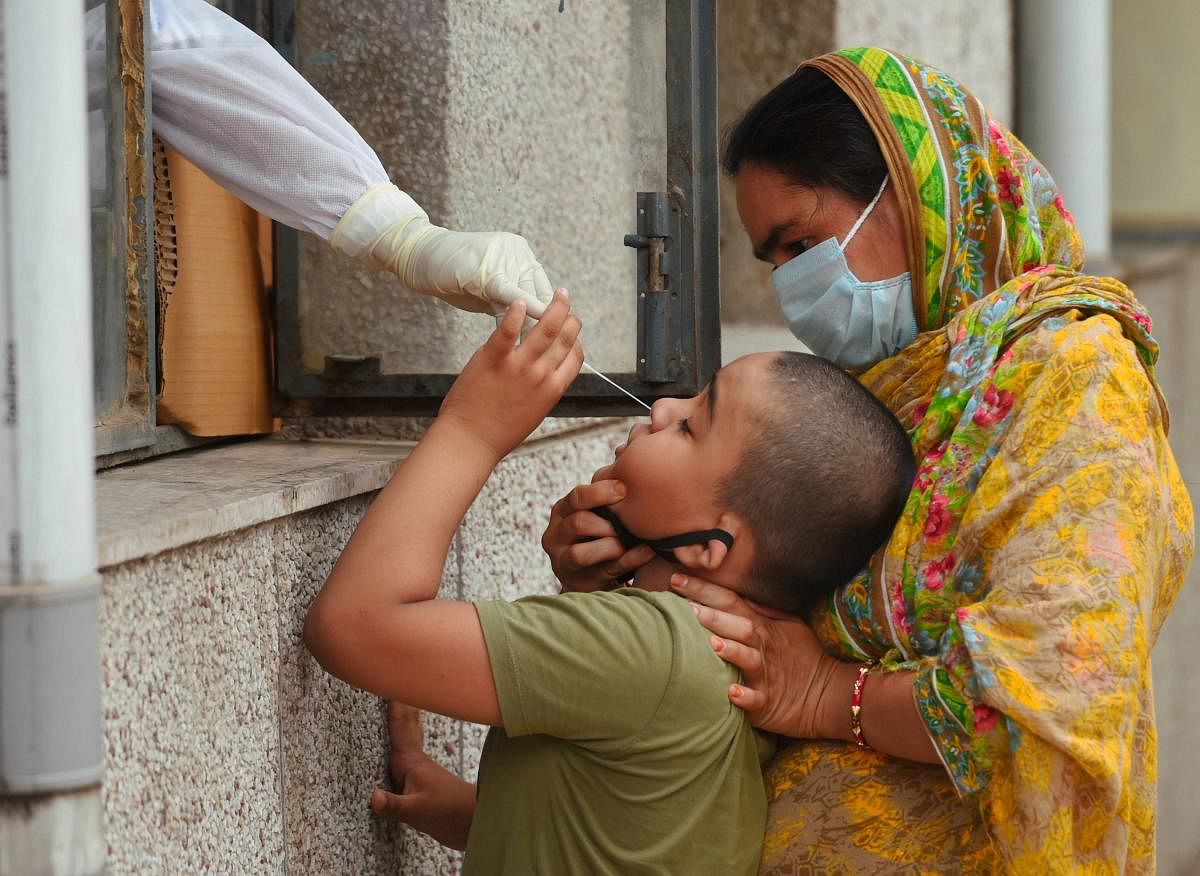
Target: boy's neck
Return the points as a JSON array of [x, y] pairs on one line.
[[654, 576]]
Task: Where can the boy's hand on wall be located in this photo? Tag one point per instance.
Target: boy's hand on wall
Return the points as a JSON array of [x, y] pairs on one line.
[[508, 388], [428, 797]]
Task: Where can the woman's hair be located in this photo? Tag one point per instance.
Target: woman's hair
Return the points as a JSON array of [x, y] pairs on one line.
[[821, 482], [809, 130]]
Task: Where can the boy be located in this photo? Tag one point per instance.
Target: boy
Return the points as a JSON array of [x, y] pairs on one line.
[[615, 748]]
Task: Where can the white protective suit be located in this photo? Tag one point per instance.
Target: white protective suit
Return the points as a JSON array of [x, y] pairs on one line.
[[224, 98]]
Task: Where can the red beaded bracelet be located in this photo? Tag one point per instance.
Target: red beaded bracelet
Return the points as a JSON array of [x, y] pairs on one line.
[[856, 705]]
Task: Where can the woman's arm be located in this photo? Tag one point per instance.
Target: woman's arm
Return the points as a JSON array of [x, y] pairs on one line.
[[793, 687]]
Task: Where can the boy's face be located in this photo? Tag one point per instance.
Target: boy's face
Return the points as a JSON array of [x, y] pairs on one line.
[[673, 467]]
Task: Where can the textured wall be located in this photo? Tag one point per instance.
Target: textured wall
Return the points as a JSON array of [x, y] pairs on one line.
[[758, 44], [492, 115], [761, 43], [229, 750], [1155, 177], [969, 39]]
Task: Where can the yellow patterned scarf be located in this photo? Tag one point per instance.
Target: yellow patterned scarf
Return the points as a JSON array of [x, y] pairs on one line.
[[1048, 531]]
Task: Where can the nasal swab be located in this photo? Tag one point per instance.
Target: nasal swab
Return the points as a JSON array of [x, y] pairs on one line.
[[530, 323], [612, 383]]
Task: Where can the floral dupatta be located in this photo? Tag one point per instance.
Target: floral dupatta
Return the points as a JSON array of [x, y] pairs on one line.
[[1048, 530]]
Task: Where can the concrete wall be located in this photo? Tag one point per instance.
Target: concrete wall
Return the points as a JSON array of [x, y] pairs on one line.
[[229, 749], [1155, 176], [761, 43], [492, 115]]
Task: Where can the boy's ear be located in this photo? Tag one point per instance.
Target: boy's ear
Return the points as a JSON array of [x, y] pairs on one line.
[[709, 556]]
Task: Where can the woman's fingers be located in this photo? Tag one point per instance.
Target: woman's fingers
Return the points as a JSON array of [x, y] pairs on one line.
[[630, 561], [746, 698], [712, 595], [569, 365], [607, 553], [585, 554], [726, 625], [749, 660], [588, 496]]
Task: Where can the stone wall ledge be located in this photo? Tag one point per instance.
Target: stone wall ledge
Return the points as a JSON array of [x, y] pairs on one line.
[[166, 503], [162, 504]]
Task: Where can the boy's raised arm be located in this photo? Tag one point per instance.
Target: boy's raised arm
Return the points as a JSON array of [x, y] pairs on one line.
[[377, 623]]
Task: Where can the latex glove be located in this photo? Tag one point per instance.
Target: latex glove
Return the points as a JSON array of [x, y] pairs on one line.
[[476, 271]]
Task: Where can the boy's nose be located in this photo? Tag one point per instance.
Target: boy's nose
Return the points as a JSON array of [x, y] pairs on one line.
[[663, 413]]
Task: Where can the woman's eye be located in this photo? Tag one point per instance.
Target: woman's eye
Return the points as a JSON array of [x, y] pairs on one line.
[[798, 247], [684, 427]]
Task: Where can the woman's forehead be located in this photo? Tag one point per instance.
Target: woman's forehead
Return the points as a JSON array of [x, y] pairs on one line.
[[771, 206]]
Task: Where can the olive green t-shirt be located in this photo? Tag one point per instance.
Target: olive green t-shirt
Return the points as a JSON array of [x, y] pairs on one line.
[[620, 751]]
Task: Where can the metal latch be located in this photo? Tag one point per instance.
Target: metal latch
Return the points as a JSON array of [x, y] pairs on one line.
[[655, 243]]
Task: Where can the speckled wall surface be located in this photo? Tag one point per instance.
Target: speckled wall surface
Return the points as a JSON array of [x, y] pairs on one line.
[[229, 750], [492, 115], [762, 41]]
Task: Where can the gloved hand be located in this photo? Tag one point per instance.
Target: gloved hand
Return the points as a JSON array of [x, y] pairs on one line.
[[480, 272]]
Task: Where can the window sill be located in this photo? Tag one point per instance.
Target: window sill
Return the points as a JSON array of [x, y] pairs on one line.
[[165, 503]]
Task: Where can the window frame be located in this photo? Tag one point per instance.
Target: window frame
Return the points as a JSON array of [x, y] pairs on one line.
[[128, 314], [676, 283], [677, 280]]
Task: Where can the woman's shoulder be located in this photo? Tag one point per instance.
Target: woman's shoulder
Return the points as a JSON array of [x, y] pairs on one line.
[[1068, 355], [1072, 340]]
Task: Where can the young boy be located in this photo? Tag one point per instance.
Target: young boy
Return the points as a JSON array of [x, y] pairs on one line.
[[615, 748]]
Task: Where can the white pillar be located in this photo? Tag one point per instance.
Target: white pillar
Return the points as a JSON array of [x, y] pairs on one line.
[[1063, 107], [51, 744]]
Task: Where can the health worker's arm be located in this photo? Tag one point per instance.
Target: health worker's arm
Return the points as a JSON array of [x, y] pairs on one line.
[[377, 623], [229, 103]]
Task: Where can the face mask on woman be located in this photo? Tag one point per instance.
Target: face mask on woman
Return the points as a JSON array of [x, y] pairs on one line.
[[838, 316]]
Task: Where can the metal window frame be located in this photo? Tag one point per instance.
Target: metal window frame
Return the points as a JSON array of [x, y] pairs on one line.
[[678, 333], [129, 423]]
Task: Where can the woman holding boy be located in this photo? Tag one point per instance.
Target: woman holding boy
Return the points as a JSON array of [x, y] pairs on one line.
[[1048, 530]]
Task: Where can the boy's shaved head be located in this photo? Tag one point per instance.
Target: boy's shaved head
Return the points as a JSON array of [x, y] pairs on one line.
[[824, 474]]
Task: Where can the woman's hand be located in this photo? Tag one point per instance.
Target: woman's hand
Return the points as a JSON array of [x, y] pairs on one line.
[[785, 670], [584, 550]]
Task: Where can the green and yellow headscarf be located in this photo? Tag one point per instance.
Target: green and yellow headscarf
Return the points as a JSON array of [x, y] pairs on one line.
[[1048, 530], [978, 208]]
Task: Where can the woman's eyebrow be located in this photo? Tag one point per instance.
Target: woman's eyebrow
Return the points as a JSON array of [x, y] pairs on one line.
[[768, 246]]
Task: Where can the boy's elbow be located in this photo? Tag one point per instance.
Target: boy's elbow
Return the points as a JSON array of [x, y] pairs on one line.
[[321, 631]]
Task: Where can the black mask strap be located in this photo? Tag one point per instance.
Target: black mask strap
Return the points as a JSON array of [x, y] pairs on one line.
[[664, 547]]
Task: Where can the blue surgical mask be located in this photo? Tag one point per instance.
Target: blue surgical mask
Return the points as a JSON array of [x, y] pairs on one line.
[[838, 316]]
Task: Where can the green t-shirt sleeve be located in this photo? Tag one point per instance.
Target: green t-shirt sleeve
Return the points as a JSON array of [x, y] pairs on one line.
[[588, 667]]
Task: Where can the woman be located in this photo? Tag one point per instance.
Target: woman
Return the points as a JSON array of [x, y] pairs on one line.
[[996, 652]]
